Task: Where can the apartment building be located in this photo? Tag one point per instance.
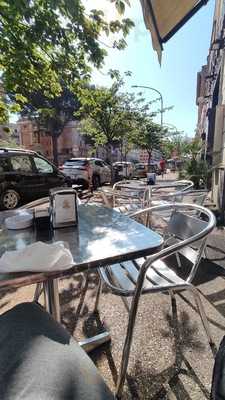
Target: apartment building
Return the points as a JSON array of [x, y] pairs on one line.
[[211, 105]]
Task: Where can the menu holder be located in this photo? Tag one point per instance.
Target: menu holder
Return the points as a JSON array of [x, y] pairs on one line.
[[63, 207]]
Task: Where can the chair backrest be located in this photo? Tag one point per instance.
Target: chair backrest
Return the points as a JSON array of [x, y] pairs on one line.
[[183, 226], [192, 197], [185, 184], [136, 276], [180, 186], [181, 231], [171, 191], [129, 192]]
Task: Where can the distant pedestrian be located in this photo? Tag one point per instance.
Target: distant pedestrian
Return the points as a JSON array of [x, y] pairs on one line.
[[162, 164]]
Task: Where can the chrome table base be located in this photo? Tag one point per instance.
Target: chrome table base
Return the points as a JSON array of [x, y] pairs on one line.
[[51, 294], [94, 342]]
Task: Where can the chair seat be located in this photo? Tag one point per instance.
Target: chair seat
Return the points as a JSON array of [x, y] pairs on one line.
[[158, 277]]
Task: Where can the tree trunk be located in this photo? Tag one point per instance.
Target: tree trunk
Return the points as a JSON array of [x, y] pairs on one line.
[[109, 160], [55, 149], [149, 159]]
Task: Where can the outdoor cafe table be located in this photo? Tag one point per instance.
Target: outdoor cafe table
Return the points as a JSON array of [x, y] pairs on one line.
[[103, 237]]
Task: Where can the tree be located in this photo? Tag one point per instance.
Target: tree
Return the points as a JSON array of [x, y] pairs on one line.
[[45, 44], [51, 114], [6, 139], [148, 136], [180, 145], [109, 115], [195, 169]]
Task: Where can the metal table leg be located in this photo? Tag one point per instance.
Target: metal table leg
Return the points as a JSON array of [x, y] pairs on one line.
[[51, 293], [52, 306], [94, 342]]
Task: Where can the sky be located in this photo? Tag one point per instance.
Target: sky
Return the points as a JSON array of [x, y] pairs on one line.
[[183, 56]]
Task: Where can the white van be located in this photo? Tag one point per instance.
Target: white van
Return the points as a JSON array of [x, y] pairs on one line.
[[125, 169]]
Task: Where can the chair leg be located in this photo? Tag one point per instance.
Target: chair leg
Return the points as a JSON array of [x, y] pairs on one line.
[[204, 319], [127, 347], [99, 290], [176, 332], [38, 291], [178, 260], [205, 253], [173, 304]]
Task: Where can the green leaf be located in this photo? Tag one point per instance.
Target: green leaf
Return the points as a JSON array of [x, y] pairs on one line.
[[120, 6]]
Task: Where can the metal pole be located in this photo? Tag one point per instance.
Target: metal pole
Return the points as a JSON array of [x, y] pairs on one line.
[[52, 298], [161, 98], [161, 110]]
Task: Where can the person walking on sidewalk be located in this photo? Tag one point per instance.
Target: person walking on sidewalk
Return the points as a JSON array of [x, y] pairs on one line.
[[162, 164]]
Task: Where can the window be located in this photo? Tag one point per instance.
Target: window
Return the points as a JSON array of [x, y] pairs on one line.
[[21, 164], [76, 163], [99, 163], [43, 166], [4, 165]]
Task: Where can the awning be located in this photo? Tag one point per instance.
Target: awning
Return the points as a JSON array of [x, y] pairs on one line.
[[165, 17]]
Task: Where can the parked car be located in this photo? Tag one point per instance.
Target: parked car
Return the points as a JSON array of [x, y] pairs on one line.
[[25, 176], [124, 169], [87, 172], [153, 167], [140, 170]]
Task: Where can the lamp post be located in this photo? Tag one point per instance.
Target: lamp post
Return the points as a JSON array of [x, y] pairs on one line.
[[174, 128], [160, 95]]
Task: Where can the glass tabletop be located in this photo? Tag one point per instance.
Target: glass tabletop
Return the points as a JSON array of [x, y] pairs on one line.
[[103, 236]]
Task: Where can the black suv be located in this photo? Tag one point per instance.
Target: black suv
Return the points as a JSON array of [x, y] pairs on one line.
[[25, 175]]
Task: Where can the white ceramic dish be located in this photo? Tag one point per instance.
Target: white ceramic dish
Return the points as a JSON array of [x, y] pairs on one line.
[[20, 221]]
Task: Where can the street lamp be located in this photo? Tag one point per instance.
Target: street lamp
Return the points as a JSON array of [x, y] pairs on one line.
[[173, 127], [160, 95]]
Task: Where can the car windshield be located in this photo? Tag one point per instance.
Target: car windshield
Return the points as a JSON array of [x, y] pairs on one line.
[[139, 166], [76, 163]]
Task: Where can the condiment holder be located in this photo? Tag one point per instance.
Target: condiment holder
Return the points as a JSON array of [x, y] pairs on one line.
[[63, 207]]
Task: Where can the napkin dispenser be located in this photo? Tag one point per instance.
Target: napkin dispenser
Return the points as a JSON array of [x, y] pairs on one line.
[[63, 207]]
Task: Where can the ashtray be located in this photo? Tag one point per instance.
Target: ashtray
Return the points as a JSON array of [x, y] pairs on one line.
[[20, 221]]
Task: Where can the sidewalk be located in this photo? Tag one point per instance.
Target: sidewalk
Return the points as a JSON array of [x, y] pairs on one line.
[[168, 177]]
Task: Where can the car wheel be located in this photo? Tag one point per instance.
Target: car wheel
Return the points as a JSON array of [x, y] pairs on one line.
[[9, 199], [95, 182]]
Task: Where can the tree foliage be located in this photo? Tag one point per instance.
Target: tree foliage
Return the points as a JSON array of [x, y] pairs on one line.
[[6, 139], [149, 135], [51, 114], [47, 43], [111, 116]]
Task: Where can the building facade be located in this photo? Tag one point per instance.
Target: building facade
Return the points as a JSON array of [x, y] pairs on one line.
[[70, 143], [211, 106]]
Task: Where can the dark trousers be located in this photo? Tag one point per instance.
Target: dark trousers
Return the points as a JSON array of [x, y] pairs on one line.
[[39, 360]]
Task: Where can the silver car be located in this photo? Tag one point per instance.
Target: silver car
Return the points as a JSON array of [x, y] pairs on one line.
[[87, 172]]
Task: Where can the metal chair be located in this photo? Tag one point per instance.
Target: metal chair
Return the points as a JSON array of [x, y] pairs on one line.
[[152, 196], [146, 194], [122, 197], [192, 197], [128, 196], [154, 273], [181, 185]]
